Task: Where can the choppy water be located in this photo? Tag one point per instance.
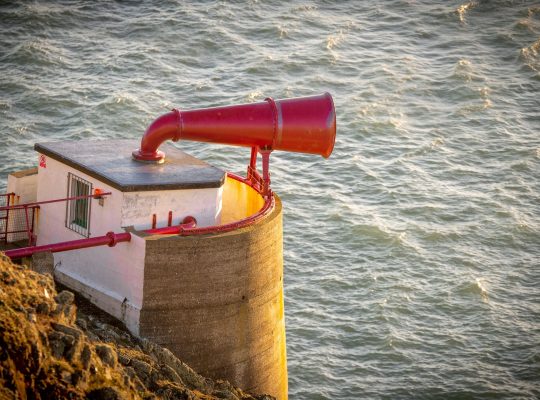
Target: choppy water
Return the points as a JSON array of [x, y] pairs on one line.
[[412, 255]]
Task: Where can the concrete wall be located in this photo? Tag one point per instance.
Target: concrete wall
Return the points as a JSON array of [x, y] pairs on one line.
[[216, 301], [24, 184], [239, 201], [203, 204]]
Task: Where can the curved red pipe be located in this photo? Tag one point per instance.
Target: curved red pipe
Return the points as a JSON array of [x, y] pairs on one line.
[[166, 127], [267, 207], [188, 223]]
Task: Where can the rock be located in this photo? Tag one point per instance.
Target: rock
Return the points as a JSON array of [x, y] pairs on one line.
[[107, 335], [106, 354], [43, 308], [225, 394], [66, 329], [186, 374], [167, 373], [65, 297], [142, 369], [171, 391], [56, 344], [224, 390], [76, 377], [106, 393], [45, 355], [64, 341], [85, 356], [82, 323], [66, 376], [92, 337], [64, 306], [123, 358], [130, 372]]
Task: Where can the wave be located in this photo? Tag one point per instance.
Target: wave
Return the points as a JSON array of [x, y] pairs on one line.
[[464, 8], [530, 55]]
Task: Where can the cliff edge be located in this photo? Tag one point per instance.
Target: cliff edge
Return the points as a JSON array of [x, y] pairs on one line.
[[49, 349]]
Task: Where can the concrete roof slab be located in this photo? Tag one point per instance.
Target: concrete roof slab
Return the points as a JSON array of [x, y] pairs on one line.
[[111, 162]]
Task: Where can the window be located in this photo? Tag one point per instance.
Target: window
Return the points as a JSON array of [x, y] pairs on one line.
[[78, 210]]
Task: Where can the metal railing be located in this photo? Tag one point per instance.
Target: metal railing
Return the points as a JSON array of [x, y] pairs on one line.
[[5, 200], [19, 224], [19, 221]]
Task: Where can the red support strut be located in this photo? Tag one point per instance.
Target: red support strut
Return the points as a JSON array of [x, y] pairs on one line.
[[261, 183]]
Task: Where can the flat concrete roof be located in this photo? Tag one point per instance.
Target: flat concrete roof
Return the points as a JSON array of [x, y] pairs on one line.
[[110, 162], [25, 172]]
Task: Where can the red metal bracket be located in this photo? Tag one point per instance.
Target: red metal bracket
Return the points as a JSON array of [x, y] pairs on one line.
[[261, 183]]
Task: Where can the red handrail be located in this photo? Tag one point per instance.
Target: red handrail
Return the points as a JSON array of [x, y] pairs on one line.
[[187, 228], [37, 203], [267, 207]]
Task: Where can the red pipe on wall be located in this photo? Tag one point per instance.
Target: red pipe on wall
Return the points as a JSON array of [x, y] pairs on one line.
[[304, 124], [110, 239], [188, 223]]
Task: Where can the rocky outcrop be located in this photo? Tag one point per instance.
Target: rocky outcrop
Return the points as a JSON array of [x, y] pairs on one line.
[[49, 349]]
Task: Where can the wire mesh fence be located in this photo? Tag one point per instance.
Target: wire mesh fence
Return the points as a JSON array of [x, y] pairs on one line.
[[5, 200], [16, 224]]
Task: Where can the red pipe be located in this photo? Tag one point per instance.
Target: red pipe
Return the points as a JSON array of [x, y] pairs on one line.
[[110, 239], [188, 223], [187, 228], [304, 124], [37, 203], [267, 207]]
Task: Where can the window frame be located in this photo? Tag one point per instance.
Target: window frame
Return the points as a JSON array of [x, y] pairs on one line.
[[78, 211]]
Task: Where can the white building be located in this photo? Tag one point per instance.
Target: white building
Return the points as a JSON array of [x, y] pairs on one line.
[[113, 277]]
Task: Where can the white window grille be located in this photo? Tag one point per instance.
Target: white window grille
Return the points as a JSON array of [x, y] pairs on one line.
[[78, 210]]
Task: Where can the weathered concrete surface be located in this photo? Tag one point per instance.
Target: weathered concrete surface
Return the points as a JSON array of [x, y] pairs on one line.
[[24, 184], [43, 263], [216, 301]]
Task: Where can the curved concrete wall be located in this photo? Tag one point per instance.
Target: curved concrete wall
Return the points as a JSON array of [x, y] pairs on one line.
[[216, 301]]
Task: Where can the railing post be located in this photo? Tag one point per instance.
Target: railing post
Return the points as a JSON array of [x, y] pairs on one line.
[[7, 218], [265, 155], [28, 231]]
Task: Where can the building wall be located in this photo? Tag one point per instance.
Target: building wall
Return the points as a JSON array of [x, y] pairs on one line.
[[23, 184], [203, 204], [113, 277]]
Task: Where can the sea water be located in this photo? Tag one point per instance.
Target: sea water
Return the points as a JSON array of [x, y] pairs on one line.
[[412, 254]]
